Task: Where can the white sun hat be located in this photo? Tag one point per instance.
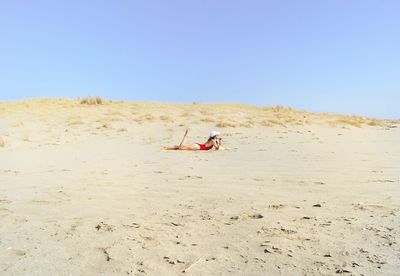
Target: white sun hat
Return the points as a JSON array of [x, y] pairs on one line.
[[214, 133]]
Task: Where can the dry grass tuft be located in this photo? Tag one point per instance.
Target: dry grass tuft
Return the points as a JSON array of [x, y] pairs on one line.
[[205, 112], [278, 109], [266, 123], [74, 120], [144, 118], [350, 121], [123, 129], [225, 124], [106, 125], [92, 101], [2, 143], [186, 114], [26, 138], [115, 119], [272, 123], [207, 120], [248, 124], [374, 122], [166, 119], [290, 121]]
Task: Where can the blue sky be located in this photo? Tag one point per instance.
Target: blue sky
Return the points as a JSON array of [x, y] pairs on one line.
[[336, 56]]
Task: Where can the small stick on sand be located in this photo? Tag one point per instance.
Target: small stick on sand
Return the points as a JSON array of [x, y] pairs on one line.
[[190, 266]]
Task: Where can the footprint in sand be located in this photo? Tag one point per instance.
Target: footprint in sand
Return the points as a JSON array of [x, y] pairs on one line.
[[15, 252], [106, 253], [173, 261], [194, 176], [41, 201], [274, 231], [4, 201], [131, 225], [4, 212], [272, 249], [256, 216], [104, 227], [277, 206], [10, 171]]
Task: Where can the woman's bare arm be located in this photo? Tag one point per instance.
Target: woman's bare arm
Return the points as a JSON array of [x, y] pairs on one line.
[[216, 144]]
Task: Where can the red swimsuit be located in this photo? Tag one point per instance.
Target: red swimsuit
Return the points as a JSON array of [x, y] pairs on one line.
[[203, 147]]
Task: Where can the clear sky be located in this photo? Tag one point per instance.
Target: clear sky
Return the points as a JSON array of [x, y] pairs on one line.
[[323, 55]]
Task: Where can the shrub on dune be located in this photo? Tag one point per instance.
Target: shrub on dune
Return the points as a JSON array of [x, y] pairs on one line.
[[225, 124], [166, 119], [374, 122], [92, 101], [351, 121], [272, 122], [207, 120], [144, 118], [105, 125], [186, 114], [246, 124]]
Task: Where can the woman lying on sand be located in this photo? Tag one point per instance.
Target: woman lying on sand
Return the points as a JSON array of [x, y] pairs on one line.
[[213, 143]]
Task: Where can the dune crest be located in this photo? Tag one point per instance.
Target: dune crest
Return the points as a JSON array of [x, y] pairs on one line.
[[217, 115]]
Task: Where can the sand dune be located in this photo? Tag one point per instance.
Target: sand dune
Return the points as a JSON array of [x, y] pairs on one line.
[[86, 190]]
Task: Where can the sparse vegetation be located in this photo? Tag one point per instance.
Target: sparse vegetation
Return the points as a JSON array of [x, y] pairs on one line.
[[275, 123], [186, 114], [246, 125], [144, 118], [225, 124], [350, 121], [92, 100], [166, 119], [115, 119], [106, 125], [374, 122], [205, 112], [74, 120], [219, 115], [207, 120], [2, 143]]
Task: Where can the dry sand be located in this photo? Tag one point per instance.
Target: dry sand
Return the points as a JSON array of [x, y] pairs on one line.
[[86, 190]]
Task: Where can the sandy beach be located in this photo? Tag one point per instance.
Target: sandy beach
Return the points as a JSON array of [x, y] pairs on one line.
[[87, 190]]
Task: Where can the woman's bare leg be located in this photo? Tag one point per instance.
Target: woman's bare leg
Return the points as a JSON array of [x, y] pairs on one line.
[[171, 148], [184, 138], [183, 147]]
